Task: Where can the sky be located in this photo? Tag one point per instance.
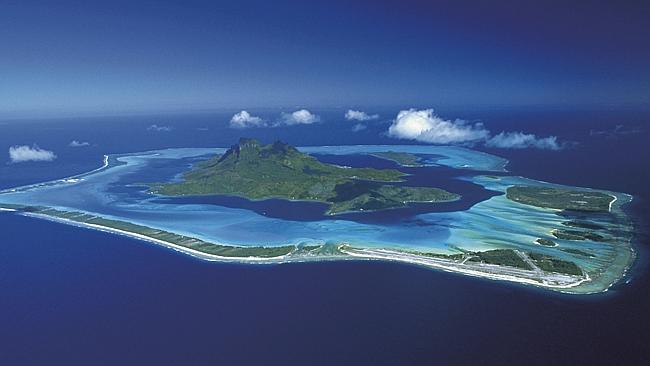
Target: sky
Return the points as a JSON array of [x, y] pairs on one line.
[[103, 57]]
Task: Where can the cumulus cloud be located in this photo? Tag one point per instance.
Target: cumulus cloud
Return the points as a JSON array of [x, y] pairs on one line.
[[352, 115], [157, 128], [520, 140], [298, 117], [75, 143], [23, 153], [358, 127], [425, 126], [244, 119]]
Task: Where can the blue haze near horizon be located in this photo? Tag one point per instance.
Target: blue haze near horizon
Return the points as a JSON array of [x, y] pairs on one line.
[[79, 296], [91, 57]]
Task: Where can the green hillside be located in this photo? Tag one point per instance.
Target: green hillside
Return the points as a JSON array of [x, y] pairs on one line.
[[255, 171]]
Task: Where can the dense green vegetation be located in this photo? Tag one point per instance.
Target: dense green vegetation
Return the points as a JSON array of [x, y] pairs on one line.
[[11, 206], [545, 242], [583, 225], [559, 198], [370, 196], [456, 256], [551, 264], [502, 257], [401, 158], [255, 171], [577, 235], [231, 251], [181, 240], [510, 258]]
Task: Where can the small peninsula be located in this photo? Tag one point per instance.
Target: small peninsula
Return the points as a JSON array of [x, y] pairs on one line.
[[256, 171]]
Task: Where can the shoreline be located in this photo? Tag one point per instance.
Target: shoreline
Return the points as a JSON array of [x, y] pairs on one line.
[[562, 283], [70, 179], [612, 202], [179, 248], [344, 252], [452, 267]]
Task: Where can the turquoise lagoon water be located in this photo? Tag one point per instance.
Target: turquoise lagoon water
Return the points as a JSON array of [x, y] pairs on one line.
[[117, 191], [68, 292]]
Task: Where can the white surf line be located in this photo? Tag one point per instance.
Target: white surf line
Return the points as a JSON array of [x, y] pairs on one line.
[[176, 247], [612, 202], [81, 175], [390, 256], [60, 180], [384, 255], [104, 165], [7, 209], [101, 167]]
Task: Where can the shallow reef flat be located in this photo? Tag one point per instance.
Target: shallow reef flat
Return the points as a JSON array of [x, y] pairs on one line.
[[497, 238], [603, 251]]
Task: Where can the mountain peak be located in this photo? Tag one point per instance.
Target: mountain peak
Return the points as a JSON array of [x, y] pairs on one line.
[[280, 147], [251, 149]]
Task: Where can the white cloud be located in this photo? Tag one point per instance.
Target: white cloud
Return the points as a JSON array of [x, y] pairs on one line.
[[75, 143], [520, 140], [352, 115], [244, 119], [302, 116], [159, 128], [425, 126], [23, 153], [358, 127]]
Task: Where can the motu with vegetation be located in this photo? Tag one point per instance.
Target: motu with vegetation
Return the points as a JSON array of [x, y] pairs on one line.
[[560, 198]]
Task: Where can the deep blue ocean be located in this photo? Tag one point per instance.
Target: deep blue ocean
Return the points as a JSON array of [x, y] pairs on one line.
[[73, 296]]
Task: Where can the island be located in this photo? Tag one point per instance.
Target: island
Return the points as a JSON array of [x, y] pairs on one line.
[[561, 198], [256, 172], [211, 203], [545, 242], [566, 200], [577, 235]]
